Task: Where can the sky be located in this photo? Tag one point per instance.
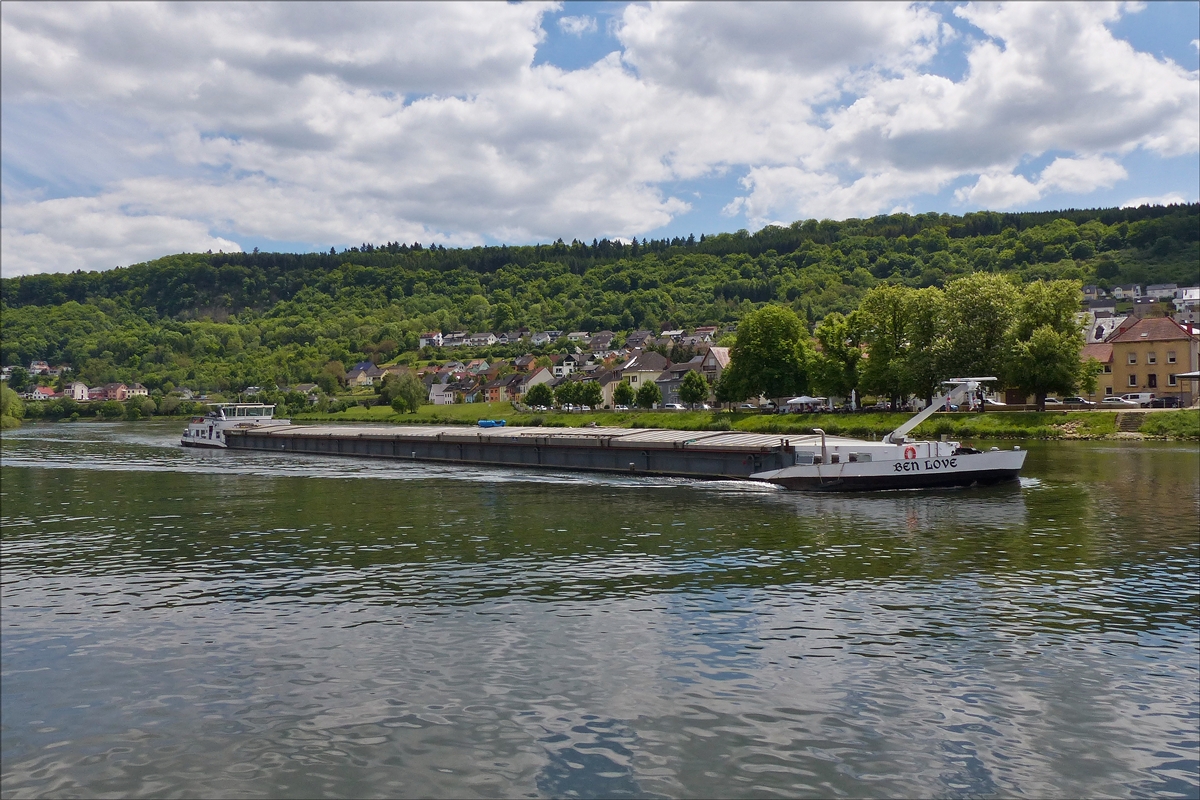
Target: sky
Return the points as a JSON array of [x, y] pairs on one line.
[[129, 131]]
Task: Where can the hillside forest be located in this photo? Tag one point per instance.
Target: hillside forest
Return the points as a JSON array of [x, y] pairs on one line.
[[224, 321]]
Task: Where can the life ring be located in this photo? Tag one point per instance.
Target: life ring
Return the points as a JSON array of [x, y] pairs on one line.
[[910, 453]]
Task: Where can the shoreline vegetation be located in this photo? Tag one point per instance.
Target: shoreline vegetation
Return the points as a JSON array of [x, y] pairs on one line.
[[1183, 424]]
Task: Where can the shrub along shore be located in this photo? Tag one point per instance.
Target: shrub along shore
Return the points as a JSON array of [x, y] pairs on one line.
[[1182, 424]]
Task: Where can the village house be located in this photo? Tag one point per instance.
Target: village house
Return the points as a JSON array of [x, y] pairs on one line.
[[1187, 304], [41, 393], [1130, 291], [706, 330], [484, 339], [637, 340], [525, 363], [441, 394], [431, 339], [645, 366], [602, 341], [715, 362], [112, 391], [76, 391], [1162, 291], [137, 390], [1098, 306], [1092, 292], [1148, 355], [1102, 352], [39, 368], [673, 335], [578, 336], [455, 339], [672, 378], [364, 373]]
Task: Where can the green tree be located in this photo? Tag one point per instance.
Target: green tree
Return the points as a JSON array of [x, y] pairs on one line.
[[648, 395], [728, 391], [407, 392], [980, 309], [925, 359], [1048, 361], [567, 393], [1047, 341], [835, 368], [694, 388], [591, 394], [11, 408], [770, 356], [623, 393], [539, 395], [885, 312], [18, 380], [327, 383]]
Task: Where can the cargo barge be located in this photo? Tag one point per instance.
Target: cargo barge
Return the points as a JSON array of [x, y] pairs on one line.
[[812, 462]]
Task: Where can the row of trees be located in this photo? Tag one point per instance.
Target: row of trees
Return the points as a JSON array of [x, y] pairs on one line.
[[904, 341], [221, 322]]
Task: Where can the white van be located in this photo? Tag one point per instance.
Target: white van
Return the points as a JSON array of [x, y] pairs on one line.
[[1141, 398]]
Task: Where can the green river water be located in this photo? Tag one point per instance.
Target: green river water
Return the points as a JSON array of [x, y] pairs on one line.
[[182, 623]]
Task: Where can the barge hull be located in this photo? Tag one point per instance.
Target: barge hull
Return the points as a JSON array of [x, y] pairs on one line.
[[593, 454]]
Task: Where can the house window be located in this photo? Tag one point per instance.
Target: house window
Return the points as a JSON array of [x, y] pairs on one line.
[[1152, 380], [1133, 358], [633, 378], [1108, 390], [1108, 369], [1132, 380], [1152, 358], [1171, 380], [1170, 356]]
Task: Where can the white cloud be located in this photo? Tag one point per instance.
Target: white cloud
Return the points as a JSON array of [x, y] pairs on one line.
[[1078, 175], [577, 26], [206, 123], [1163, 200]]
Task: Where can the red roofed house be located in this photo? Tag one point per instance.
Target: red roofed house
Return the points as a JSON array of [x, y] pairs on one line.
[[1148, 354]]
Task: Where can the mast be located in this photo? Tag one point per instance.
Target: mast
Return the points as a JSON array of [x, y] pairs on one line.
[[960, 387]]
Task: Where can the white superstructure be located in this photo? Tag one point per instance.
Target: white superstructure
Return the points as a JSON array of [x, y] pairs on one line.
[[209, 430], [898, 462]]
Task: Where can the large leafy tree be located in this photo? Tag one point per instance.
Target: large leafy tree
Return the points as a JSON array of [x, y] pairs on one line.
[[407, 393], [836, 366], [694, 388], [924, 362], [980, 310], [539, 395], [770, 357], [648, 395], [591, 394], [886, 319], [1047, 341], [623, 393]]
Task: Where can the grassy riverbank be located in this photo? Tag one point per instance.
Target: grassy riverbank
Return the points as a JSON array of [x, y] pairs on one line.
[[1183, 424]]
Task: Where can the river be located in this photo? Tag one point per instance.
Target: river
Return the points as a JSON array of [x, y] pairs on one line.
[[182, 623]]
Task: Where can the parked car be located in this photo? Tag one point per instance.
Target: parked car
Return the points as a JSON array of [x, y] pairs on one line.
[[1170, 401], [1053, 401], [674, 407], [987, 401], [1078, 401], [1120, 402], [620, 408], [748, 407], [1142, 399]]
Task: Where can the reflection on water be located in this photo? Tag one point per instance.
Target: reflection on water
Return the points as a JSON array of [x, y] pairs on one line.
[[182, 622]]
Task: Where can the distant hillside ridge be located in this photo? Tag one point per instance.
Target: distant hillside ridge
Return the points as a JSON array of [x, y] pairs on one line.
[[1146, 244], [220, 320]]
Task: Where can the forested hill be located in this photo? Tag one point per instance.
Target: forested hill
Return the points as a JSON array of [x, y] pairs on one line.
[[306, 308]]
